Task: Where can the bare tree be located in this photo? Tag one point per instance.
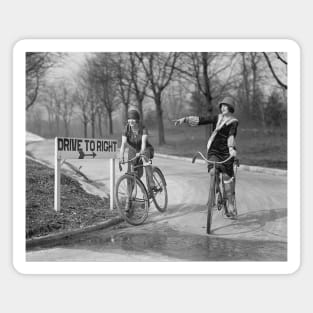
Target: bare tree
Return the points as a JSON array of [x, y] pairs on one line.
[[47, 99], [245, 79], [131, 80], [102, 81], [159, 69], [82, 98], [211, 73], [139, 80], [67, 109], [63, 105], [37, 65], [275, 75], [122, 69]]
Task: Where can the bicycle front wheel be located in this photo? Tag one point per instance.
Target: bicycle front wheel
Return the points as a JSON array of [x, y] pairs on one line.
[[131, 199], [211, 202], [159, 196]]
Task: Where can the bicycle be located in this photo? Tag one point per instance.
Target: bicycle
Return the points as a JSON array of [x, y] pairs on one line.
[[133, 199], [217, 195]]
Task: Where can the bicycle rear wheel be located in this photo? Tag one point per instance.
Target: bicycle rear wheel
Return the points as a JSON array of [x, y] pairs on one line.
[[211, 201], [131, 199], [159, 196]]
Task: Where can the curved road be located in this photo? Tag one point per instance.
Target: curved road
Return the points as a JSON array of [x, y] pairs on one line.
[[259, 233]]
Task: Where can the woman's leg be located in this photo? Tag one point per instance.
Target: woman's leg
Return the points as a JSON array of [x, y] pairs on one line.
[[130, 184], [229, 183], [149, 153]]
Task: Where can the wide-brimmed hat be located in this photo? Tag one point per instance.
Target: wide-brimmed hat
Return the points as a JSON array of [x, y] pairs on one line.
[[229, 102]]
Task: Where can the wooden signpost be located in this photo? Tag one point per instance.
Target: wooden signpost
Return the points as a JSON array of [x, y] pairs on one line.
[[83, 148]]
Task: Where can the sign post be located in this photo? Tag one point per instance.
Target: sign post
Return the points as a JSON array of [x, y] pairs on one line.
[[83, 148], [57, 177], [112, 182]]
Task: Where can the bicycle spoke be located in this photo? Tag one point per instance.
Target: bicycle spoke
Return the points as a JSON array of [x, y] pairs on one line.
[[160, 193], [132, 200]]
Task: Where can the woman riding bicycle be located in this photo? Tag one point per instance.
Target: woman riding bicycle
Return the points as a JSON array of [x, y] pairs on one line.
[[135, 134], [221, 144]]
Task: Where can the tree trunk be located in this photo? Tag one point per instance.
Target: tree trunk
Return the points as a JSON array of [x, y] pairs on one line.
[[125, 112], [66, 128], [207, 92], [246, 84], [93, 125], [85, 128], [139, 102], [255, 100], [110, 123], [57, 125], [50, 124], [160, 119], [100, 124], [105, 124], [208, 129]]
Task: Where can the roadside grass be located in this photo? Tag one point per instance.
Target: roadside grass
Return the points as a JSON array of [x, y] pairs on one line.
[[255, 147], [78, 208]]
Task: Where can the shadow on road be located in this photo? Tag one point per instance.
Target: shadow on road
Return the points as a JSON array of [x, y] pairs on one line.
[[252, 221]]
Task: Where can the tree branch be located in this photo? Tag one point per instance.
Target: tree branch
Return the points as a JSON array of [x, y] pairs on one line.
[[273, 72], [280, 58]]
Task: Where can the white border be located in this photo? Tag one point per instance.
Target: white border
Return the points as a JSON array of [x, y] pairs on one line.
[[124, 45]]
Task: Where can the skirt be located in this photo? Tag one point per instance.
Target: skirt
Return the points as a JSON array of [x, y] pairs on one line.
[[148, 153], [227, 168]]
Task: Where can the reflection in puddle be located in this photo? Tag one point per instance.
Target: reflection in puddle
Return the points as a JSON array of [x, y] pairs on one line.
[[184, 246]]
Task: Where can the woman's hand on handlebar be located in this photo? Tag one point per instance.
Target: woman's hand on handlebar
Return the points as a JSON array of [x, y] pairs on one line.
[[232, 152]]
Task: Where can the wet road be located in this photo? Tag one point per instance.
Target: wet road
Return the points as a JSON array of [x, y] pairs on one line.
[[259, 233]]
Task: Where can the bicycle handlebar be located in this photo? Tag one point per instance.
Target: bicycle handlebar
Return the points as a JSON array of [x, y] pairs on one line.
[[208, 161], [133, 159]]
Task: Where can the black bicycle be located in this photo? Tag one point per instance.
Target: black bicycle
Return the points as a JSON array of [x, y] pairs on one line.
[[217, 195], [133, 198]]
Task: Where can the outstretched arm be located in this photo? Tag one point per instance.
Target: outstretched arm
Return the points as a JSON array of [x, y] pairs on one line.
[[190, 120], [195, 120]]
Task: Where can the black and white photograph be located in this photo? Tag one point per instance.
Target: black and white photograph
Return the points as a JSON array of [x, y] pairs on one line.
[[177, 155]]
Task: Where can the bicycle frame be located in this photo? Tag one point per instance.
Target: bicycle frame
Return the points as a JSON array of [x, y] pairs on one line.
[[159, 186], [132, 172], [215, 188]]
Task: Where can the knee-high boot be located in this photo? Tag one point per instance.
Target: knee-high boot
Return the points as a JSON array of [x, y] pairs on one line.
[[230, 195], [150, 177]]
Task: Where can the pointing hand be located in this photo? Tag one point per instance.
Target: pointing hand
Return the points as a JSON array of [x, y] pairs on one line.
[[179, 121]]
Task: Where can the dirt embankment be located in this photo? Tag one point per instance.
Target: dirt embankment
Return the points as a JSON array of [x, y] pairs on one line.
[[78, 208]]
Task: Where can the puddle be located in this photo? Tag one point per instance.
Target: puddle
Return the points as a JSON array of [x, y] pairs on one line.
[[178, 245]]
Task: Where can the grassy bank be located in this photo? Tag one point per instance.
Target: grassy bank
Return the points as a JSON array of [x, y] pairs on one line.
[[255, 147], [78, 208]]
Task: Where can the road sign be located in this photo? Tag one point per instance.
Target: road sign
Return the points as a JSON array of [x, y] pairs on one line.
[[83, 148], [86, 148]]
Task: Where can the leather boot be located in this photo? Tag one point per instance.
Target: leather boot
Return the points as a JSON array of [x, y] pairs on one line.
[[150, 177], [230, 195]]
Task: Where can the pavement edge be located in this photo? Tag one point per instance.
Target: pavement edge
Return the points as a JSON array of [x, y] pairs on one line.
[[52, 238], [250, 168]]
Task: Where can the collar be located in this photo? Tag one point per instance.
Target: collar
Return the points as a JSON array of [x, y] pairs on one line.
[[225, 120]]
